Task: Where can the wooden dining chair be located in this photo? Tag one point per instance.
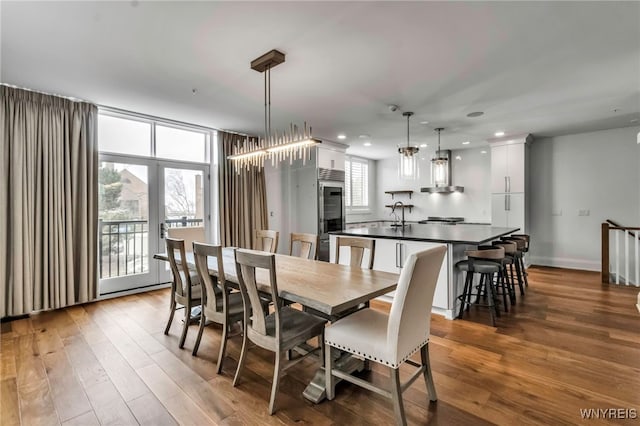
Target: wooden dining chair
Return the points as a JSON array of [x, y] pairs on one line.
[[185, 286], [279, 331], [219, 305], [358, 247], [391, 339], [307, 243], [266, 240]]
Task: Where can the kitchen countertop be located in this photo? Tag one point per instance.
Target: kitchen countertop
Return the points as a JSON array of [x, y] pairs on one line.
[[454, 234]]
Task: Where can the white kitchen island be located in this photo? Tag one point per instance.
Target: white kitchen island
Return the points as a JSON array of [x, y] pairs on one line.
[[394, 245]]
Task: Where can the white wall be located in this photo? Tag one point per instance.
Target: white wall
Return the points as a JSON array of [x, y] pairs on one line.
[[596, 171], [473, 172]]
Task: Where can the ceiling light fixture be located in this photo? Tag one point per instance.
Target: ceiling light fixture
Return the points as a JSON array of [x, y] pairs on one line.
[[475, 114], [483, 152], [466, 143], [290, 145], [342, 136], [423, 145], [408, 160], [499, 133], [367, 144], [439, 166]]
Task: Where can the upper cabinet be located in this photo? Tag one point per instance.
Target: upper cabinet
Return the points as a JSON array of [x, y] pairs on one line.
[[330, 159], [508, 168]]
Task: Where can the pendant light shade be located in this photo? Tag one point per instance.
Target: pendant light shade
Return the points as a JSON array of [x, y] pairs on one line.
[[408, 157], [439, 166]]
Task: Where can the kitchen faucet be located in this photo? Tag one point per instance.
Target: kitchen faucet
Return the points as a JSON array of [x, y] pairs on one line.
[[393, 209]]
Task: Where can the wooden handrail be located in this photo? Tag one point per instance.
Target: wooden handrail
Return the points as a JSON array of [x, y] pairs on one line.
[[624, 228]]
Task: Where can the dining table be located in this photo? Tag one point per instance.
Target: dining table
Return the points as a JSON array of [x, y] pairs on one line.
[[328, 288]]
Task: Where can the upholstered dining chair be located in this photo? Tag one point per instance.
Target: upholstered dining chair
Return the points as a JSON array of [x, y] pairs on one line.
[[307, 243], [391, 339], [266, 240], [219, 305], [185, 286], [358, 247], [279, 331]]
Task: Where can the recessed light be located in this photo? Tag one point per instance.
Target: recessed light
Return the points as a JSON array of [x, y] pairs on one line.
[[499, 133], [364, 136], [367, 144], [475, 114], [635, 120], [424, 145], [424, 122], [466, 143], [458, 157], [342, 136], [483, 152]]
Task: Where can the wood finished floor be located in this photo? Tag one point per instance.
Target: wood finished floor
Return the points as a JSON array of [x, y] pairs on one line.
[[568, 344]]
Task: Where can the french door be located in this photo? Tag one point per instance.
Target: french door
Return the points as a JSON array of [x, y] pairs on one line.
[[139, 199]]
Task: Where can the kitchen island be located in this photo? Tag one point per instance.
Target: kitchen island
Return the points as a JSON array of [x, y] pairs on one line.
[[394, 245]]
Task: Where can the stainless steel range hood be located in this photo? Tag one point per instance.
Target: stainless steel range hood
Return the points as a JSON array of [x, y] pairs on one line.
[[446, 189]]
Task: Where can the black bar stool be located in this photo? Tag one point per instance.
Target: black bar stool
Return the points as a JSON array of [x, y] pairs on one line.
[[517, 261], [527, 240], [487, 263], [510, 252]]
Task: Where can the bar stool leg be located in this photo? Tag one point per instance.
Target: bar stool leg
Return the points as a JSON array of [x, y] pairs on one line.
[[524, 272], [519, 274], [510, 285], [492, 308], [501, 280], [466, 293]]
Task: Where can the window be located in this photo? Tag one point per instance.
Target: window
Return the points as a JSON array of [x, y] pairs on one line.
[[181, 144], [356, 183], [124, 136]]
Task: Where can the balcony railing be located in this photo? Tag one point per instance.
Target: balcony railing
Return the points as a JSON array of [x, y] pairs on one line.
[[124, 245]]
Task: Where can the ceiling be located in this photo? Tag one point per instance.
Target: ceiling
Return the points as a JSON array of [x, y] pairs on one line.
[[532, 67]]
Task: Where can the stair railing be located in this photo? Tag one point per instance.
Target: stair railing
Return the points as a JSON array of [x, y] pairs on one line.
[[611, 270]]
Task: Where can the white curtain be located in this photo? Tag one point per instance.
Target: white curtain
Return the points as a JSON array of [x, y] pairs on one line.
[[48, 202]]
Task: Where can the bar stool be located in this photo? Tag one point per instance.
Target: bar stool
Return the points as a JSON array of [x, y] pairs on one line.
[[487, 262], [527, 239], [518, 262], [510, 251]]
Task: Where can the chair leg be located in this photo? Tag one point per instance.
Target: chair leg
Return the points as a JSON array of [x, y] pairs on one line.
[[524, 272], [428, 376], [328, 377], [396, 396], [173, 311], [492, 308], [465, 292], [519, 274], [276, 381], [223, 346], [185, 328], [203, 320], [503, 285], [243, 354]]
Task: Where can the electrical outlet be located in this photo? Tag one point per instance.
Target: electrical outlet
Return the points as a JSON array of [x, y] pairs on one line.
[[271, 214], [583, 212]]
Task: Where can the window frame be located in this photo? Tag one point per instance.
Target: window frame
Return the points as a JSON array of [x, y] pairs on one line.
[[364, 208]]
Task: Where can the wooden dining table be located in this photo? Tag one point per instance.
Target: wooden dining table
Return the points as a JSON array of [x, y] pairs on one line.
[[326, 287]]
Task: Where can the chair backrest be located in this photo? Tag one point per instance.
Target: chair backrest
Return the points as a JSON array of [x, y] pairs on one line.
[[202, 253], [410, 315], [189, 234], [246, 265], [266, 240], [494, 253], [177, 260], [308, 245], [509, 247], [358, 246]]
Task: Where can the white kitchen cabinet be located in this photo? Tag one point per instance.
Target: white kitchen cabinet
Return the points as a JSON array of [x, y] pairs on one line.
[[508, 168], [508, 210], [330, 159]]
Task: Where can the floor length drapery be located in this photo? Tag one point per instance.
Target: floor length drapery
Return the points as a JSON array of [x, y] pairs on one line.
[[48, 201]]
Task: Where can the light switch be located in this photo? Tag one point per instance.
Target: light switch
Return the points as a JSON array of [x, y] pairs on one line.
[[583, 212]]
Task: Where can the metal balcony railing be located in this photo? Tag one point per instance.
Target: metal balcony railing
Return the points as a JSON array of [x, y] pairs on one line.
[[124, 245]]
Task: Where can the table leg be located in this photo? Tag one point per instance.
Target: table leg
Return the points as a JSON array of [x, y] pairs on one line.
[[316, 390]]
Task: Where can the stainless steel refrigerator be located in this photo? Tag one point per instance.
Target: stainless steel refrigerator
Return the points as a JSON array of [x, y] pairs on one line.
[[331, 213]]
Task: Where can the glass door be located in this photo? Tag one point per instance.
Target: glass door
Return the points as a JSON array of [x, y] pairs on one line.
[[184, 205], [125, 243]]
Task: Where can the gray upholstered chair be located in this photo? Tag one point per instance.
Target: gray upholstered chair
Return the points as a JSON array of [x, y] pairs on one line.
[[218, 304], [279, 331], [185, 286], [391, 339], [307, 243], [266, 240]]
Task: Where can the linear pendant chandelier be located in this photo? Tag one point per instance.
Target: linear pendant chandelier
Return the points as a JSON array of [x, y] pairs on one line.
[[291, 145]]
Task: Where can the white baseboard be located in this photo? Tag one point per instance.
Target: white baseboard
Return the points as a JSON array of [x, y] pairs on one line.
[[564, 262]]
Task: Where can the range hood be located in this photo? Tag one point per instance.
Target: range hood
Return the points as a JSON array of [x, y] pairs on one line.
[[448, 188]]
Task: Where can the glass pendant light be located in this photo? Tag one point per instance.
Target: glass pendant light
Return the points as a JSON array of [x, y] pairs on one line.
[[439, 166], [408, 158]]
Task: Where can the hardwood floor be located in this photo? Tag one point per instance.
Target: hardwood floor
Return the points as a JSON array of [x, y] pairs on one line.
[[569, 344]]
